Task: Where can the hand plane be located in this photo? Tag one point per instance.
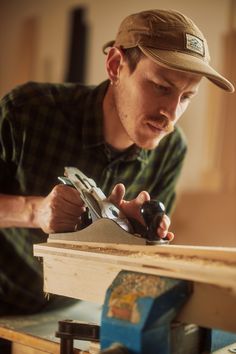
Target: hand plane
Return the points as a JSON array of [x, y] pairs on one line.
[[104, 222]]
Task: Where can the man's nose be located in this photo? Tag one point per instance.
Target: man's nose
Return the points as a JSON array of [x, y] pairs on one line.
[[170, 108]]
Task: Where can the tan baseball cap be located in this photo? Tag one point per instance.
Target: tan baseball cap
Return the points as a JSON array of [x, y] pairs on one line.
[[170, 39]]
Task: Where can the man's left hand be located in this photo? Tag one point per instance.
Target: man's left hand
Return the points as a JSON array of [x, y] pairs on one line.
[[132, 209]]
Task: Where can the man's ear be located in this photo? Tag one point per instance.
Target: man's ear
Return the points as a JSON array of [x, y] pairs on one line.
[[114, 62]]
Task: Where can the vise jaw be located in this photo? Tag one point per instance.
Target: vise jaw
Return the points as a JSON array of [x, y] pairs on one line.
[[138, 311]]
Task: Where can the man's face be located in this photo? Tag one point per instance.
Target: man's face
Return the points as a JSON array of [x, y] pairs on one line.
[[150, 100]]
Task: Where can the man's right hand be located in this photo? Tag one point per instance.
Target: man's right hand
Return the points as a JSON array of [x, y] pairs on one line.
[[60, 211]]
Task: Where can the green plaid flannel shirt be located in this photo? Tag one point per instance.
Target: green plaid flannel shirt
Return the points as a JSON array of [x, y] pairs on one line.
[[45, 127]]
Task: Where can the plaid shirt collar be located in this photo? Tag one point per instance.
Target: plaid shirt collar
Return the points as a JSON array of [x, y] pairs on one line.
[[93, 126]]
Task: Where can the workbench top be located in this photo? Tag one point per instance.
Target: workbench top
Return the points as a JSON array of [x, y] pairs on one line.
[[38, 331]]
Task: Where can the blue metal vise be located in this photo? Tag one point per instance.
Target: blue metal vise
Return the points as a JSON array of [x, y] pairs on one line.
[[138, 311], [136, 318]]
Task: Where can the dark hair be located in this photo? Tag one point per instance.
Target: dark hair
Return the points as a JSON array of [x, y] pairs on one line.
[[133, 56]]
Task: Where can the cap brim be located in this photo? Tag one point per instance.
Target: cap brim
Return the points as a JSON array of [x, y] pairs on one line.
[[188, 63], [107, 45]]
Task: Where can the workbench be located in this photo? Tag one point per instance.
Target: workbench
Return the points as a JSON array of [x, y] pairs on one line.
[[92, 267], [85, 270]]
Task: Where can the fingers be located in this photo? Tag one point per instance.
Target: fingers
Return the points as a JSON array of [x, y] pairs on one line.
[[66, 200], [60, 210], [117, 194], [170, 236], [164, 227], [141, 198], [132, 208], [67, 194]]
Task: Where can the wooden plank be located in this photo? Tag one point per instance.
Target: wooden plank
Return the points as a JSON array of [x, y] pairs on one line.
[[30, 341], [211, 265], [23, 349], [31, 344], [85, 271]]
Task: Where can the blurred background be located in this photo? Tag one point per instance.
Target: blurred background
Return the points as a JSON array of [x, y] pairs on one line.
[[61, 40]]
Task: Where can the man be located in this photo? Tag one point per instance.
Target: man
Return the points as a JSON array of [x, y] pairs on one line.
[[122, 133]]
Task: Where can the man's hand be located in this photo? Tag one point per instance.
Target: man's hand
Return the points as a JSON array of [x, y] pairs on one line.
[[60, 211], [132, 209]]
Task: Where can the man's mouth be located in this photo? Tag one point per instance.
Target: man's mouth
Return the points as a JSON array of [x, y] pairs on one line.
[[160, 124], [160, 128], [155, 128]]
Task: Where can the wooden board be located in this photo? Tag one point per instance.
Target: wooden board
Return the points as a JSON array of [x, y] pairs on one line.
[[85, 270], [29, 343]]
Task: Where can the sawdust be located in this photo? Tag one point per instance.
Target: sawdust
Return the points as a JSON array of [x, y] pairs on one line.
[[134, 254]]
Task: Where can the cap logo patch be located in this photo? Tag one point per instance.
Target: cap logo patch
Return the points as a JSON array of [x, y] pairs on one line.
[[195, 44]]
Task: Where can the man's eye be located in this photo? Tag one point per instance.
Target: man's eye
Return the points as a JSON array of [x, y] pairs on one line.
[[186, 98], [162, 88]]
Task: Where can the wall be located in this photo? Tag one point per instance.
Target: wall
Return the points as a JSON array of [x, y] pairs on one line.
[[34, 39]]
